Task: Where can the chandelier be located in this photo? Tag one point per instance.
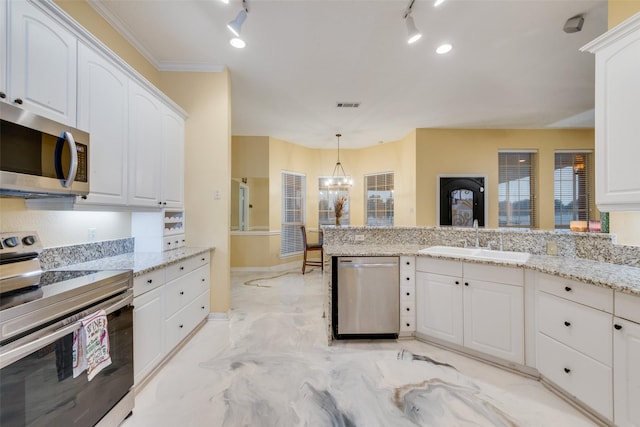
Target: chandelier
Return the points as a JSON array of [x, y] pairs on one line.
[[339, 178]]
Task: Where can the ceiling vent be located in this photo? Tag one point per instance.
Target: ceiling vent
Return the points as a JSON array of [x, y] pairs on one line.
[[347, 104]]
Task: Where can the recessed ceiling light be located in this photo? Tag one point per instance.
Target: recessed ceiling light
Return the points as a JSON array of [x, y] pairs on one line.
[[438, 3], [444, 48], [237, 43]]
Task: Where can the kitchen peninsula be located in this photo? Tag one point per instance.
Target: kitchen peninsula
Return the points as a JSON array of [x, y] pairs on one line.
[[490, 308]]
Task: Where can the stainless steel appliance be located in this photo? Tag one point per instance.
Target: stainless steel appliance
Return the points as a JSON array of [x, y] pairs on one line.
[[366, 297], [39, 312], [40, 157]]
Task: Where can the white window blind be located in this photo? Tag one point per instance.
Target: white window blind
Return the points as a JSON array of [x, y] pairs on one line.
[[571, 187], [379, 199], [293, 214], [516, 189], [326, 198]]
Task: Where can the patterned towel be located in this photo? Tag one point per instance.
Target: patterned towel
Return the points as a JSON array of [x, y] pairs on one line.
[[91, 345]]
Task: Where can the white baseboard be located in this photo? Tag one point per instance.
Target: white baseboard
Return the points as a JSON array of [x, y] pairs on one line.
[[218, 316]]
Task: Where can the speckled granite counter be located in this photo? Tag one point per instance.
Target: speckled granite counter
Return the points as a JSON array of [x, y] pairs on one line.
[[139, 262], [619, 277]]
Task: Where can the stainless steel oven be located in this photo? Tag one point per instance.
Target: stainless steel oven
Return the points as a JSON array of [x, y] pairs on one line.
[[40, 157], [37, 325]]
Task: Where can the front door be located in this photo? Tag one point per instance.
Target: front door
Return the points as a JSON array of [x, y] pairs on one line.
[[462, 201]]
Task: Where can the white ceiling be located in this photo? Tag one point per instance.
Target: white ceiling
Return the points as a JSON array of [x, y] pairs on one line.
[[512, 65]]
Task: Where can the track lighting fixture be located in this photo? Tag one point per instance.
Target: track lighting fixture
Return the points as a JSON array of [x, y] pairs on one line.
[[414, 33], [236, 25]]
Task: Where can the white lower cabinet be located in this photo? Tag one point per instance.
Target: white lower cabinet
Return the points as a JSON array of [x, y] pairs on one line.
[[168, 305], [477, 306], [626, 361], [148, 333]]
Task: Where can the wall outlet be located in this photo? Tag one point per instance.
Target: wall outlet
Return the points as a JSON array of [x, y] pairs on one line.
[[552, 248], [359, 238], [91, 234]]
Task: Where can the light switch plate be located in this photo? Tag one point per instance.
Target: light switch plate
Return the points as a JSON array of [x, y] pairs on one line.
[[552, 248]]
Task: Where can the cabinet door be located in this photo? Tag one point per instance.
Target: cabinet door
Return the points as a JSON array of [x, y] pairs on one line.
[[148, 333], [3, 51], [439, 306], [103, 110], [145, 147], [494, 319], [173, 160], [626, 373], [42, 64], [616, 123]]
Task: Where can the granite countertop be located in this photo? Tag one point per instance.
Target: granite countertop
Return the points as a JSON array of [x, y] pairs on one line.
[[139, 262], [618, 277]]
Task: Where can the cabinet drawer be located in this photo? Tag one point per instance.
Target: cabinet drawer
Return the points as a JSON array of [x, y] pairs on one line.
[[439, 266], [181, 324], [580, 327], [180, 292], [579, 375], [173, 242], [628, 306], [591, 295], [148, 281], [185, 266], [494, 273]]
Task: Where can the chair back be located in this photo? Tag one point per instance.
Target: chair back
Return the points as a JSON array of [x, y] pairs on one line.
[[304, 235]]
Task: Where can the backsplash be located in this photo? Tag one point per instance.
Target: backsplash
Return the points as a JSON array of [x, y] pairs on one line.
[[62, 256], [592, 246]]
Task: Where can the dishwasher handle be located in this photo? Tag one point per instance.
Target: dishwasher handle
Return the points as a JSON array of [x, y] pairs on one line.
[[349, 264]]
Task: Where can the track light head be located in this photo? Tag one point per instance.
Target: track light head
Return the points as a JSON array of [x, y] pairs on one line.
[[414, 33], [236, 25]]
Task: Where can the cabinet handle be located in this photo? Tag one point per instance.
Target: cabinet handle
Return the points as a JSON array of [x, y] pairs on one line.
[[408, 294], [466, 283], [202, 307], [181, 292], [181, 326], [618, 327], [408, 278], [408, 325], [181, 268], [164, 203], [18, 101], [567, 288], [201, 259], [567, 370], [408, 309], [567, 323], [457, 282], [203, 279], [160, 203], [408, 262], [149, 281], [3, 95]]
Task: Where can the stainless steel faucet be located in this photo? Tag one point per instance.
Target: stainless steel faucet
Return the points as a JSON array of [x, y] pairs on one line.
[[475, 226]]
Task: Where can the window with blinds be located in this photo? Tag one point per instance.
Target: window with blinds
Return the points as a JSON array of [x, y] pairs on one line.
[[571, 180], [379, 199], [516, 189], [327, 196], [293, 214]]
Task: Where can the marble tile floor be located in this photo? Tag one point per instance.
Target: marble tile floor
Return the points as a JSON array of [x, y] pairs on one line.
[[270, 365]]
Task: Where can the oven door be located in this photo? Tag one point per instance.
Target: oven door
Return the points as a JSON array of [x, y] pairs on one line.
[[36, 376]]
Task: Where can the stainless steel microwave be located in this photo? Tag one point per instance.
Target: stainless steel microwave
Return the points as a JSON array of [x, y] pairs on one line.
[[40, 157]]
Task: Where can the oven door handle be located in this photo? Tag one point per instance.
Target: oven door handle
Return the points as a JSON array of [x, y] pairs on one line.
[[19, 352]]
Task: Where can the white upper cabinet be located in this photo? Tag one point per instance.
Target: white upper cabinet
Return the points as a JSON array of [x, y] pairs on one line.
[[173, 160], [617, 128], [41, 63], [3, 51], [146, 145], [103, 112]]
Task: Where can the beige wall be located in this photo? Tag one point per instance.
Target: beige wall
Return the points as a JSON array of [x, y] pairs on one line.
[[250, 156], [475, 151], [620, 10], [206, 98]]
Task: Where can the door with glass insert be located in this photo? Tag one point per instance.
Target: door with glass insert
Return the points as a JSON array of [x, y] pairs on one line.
[[462, 201]]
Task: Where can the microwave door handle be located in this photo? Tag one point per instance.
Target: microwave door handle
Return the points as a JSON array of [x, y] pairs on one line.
[[66, 136]]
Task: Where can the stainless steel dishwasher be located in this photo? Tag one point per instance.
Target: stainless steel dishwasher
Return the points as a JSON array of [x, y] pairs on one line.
[[366, 297]]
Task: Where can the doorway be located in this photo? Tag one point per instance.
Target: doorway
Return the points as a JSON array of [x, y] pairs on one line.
[[462, 199]]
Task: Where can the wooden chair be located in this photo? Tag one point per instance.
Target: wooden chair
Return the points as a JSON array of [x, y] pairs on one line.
[[310, 247]]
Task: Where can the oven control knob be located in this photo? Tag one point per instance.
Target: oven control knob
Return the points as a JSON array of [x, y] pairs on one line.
[[11, 242], [29, 240]]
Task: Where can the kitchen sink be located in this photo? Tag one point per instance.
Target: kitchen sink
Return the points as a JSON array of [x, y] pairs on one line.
[[477, 253]]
